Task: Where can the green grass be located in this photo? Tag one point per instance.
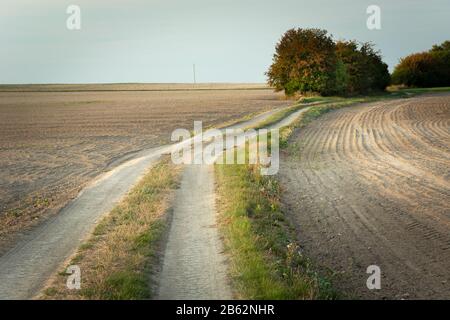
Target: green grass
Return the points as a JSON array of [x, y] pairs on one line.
[[316, 99], [117, 260], [419, 90], [265, 262]]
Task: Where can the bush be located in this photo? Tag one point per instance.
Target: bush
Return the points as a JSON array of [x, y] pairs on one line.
[[308, 60], [441, 54], [305, 61], [417, 70], [425, 69], [377, 72], [365, 69]]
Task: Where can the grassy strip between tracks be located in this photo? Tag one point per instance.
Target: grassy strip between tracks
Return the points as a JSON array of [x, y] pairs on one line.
[[117, 260]]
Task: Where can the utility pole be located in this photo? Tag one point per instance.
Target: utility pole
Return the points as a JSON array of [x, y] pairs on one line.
[[193, 69]]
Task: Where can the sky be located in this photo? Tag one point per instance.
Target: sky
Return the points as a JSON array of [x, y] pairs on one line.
[[160, 40]]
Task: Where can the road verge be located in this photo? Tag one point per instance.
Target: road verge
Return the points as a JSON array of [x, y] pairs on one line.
[[117, 260]]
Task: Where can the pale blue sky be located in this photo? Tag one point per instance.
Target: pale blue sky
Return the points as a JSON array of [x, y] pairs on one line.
[[159, 40]]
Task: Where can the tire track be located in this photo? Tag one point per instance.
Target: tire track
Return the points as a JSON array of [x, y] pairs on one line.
[[38, 253], [194, 266]]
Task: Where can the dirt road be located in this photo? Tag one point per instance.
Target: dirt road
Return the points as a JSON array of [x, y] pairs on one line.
[[53, 143], [370, 185], [194, 266], [38, 253]]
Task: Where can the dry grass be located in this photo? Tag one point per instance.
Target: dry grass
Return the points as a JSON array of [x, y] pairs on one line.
[[116, 262]]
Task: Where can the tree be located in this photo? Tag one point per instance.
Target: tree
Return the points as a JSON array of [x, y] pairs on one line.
[[365, 69], [425, 69], [441, 53], [304, 61], [416, 70], [342, 78], [308, 60], [347, 52], [377, 71]]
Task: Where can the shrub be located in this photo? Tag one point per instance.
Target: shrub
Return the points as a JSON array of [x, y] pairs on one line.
[[425, 69], [305, 61], [441, 54], [416, 70], [308, 60], [365, 69]]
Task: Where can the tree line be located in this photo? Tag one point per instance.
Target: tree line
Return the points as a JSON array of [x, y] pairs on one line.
[[310, 61], [425, 69]]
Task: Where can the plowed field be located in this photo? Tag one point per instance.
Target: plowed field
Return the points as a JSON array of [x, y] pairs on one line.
[[55, 139], [370, 185]]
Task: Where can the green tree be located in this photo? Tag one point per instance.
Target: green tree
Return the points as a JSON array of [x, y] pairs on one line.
[[342, 78], [304, 61], [365, 68], [425, 69], [377, 71], [441, 53], [348, 53], [417, 70], [308, 60]]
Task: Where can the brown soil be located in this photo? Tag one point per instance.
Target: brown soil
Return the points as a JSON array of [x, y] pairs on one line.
[[53, 143], [370, 185]]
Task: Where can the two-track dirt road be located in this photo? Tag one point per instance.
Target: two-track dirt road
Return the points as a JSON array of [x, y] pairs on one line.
[[370, 185], [38, 253], [194, 266], [366, 185]]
